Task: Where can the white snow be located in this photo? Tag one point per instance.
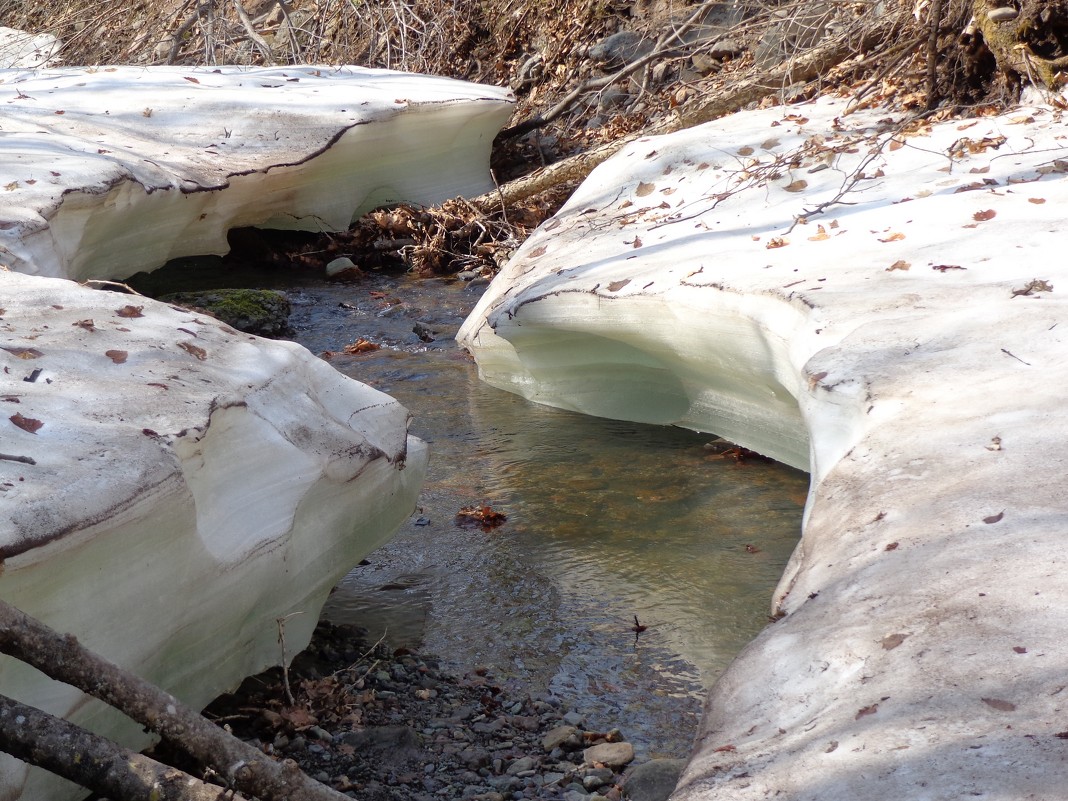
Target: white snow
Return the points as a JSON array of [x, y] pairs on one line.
[[882, 304], [110, 170], [170, 488]]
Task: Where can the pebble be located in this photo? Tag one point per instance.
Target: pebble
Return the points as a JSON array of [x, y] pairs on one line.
[[375, 738]]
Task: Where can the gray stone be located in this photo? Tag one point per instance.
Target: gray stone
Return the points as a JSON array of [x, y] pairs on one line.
[[557, 737], [619, 49], [521, 765], [613, 755], [652, 781], [390, 744]]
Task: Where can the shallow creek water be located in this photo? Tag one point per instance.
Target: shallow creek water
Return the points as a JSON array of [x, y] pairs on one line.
[[606, 520]]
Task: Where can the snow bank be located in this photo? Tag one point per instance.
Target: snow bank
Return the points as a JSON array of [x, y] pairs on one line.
[[111, 170], [171, 488], [880, 303]]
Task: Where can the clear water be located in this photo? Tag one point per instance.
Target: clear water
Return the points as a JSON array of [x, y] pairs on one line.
[[607, 520]]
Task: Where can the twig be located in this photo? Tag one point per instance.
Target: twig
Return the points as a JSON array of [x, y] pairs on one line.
[[7, 457], [104, 282], [281, 621], [259, 41], [932, 53]]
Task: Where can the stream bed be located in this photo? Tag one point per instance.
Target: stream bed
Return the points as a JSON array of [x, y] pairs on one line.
[[608, 523]]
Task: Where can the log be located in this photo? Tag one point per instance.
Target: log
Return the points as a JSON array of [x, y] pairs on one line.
[[242, 766], [95, 762]]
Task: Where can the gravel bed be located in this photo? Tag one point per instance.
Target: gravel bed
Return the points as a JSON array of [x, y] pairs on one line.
[[383, 725]]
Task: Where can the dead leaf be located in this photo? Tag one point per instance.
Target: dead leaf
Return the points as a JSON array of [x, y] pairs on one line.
[[538, 251], [983, 216], [11, 187], [1038, 201], [994, 518], [191, 80], [193, 350], [866, 710], [995, 444], [942, 268], [481, 516], [892, 641], [1019, 649], [361, 346], [86, 324], [776, 242], [892, 546], [117, 356], [745, 151], [900, 264], [615, 286], [26, 423], [998, 704], [727, 749], [637, 242], [24, 353], [1035, 285], [821, 234], [644, 189], [130, 311], [897, 236], [896, 144]]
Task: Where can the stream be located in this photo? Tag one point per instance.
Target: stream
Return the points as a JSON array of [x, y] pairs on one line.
[[606, 520]]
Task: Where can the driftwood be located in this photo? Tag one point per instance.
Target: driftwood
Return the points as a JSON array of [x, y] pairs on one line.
[[239, 764], [95, 762], [807, 66]]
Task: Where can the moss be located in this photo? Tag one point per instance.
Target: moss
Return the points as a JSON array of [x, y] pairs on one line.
[[255, 311]]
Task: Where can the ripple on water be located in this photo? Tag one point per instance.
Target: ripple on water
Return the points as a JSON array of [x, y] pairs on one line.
[[607, 520]]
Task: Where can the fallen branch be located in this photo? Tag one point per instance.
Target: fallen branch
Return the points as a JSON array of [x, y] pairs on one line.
[[93, 761], [730, 99], [241, 765]]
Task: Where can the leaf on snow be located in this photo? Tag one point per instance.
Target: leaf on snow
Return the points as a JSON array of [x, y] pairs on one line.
[[24, 353], [117, 356], [900, 264], [984, 215], [26, 423], [130, 311], [615, 286], [193, 350], [998, 704], [994, 518], [897, 236], [644, 189], [796, 186], [776, 242]]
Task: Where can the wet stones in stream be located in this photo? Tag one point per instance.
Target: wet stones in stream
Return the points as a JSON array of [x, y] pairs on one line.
[[380, 725]]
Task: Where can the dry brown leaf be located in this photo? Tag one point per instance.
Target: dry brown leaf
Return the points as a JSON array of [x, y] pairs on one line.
[[821, 234], [745, 151], [117, 356], [1038, 201], [193, 350], [897, 236], [776, 242], [615, 286], [1000, 705], [130, 311], [24, 353], [799, 185], [538, 251], [644, 189], [26, 423], [983, 216], [900, 264], [361, 346]]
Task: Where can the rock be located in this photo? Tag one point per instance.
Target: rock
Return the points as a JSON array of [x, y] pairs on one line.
[[611, 98], [652, 781], [394, 745], [619, 49], [343, 268], [557, 737], [263, 312], [613, 755]]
